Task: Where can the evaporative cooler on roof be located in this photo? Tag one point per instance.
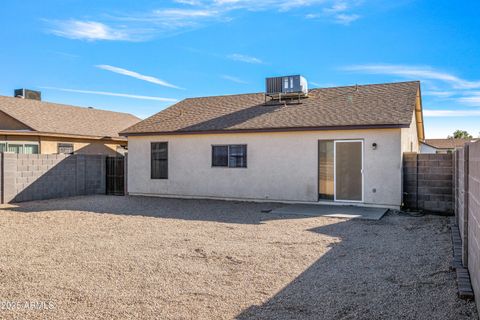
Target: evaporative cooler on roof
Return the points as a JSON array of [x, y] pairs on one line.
[[288, 87]]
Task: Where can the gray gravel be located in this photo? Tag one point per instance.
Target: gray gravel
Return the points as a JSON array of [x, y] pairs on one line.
[[106, 257]]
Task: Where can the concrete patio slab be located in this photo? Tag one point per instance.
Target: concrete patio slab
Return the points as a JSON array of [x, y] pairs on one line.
[[336, 211]]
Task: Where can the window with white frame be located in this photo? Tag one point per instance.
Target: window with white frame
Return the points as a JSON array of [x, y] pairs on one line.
[[19, 147]]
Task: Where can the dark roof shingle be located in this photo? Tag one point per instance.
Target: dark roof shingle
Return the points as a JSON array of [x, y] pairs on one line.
[[364, 105], [56, 118]]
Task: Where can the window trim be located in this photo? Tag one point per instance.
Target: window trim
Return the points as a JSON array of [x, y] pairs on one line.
[[228, 155], [151, 161]]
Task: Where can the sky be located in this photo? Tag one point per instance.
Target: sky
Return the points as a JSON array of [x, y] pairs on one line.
[[142, 56]]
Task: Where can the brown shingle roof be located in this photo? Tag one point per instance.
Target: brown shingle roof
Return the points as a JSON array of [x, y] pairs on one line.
[[49, 117], [390, 104], [450, 143]]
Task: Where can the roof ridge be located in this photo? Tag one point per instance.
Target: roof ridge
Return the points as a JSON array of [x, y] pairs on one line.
[[367, 85], [44, 116], [65, 105], [310, 89], [451, 139]]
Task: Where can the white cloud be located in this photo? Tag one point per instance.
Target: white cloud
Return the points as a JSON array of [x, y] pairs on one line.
[[441, 94], [189, 2], [451, 113], [414, 72], [443, 88], [346, 19], [322, 85], [473, 99], [91, 31], [114, 94], [253, 5], [137, 75], [244, 58], [173, 14], [312, 16], [186, 15], [336, 7], [337, 12], [234, 79]]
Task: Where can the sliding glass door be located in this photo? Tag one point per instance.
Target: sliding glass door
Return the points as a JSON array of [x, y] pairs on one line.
[[340, 170], [325, 170]]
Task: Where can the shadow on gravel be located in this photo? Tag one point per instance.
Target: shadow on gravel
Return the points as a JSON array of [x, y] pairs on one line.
[[239, 212], [397, 268]]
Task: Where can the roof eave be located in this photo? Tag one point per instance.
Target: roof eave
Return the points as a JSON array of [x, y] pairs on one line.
[[263, 130], [59, 135], [419, 115]]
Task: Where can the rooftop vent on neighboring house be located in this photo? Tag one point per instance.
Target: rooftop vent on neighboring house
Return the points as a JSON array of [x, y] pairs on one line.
[[286, 88], [28, 94]]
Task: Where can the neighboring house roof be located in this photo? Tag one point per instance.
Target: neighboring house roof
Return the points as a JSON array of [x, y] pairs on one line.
[[378, 105], [449, 143], [53, 118]]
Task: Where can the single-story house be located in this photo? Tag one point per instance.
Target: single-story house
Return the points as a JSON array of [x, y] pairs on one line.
[[442, 145], [34, 126], [341, 144]]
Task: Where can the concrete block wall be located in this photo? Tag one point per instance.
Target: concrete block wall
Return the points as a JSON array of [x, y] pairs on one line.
[[9, 168], [473, 240], [37, 177], [467, 204], [428, 182], [461, 201]]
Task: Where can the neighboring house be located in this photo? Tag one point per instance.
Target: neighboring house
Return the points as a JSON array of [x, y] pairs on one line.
[[32, 126], [342, 144], [442, 145]]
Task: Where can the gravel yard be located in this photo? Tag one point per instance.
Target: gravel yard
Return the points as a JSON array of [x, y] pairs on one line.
[[106, 257]]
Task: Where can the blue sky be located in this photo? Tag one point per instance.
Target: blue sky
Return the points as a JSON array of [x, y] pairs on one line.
[[142, 56]]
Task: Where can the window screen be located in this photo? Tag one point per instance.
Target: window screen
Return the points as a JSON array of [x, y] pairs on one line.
[[159, 163], [237, 156], [66, 148], [3, 147], [233, 156], [15, 148]]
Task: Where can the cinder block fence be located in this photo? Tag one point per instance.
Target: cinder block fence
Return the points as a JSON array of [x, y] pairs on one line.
[[428, 182], [467, 209], [36, 177]]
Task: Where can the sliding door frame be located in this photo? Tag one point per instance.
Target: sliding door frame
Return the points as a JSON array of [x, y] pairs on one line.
[[335, 171]]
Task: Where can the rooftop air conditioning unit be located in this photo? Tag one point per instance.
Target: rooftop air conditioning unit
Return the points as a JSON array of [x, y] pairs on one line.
[[28, 94], [287, 87]]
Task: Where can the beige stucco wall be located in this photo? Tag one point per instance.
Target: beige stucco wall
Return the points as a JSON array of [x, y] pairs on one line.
[[410, 141], [80, 146], [49, 145], [281, 166]]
